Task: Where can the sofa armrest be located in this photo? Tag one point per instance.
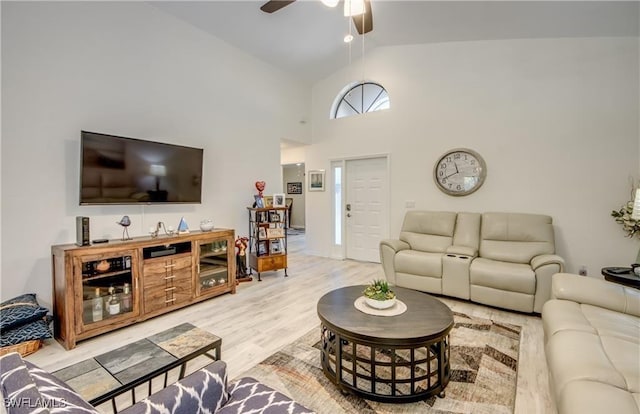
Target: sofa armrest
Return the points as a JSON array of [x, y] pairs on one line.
[[395, 245], [388, 250], [202, 391], [596, 292], [462, 251], [545, 266], [546, 259]]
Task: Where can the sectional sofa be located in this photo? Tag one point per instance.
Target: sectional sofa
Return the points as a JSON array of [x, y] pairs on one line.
[[498, 259], [592, 345]]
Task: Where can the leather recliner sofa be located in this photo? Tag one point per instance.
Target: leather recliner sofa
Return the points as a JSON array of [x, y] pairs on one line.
[[592, 345], [498, 259]]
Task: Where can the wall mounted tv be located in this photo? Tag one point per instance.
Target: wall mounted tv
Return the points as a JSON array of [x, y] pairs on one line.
[[118, 170]]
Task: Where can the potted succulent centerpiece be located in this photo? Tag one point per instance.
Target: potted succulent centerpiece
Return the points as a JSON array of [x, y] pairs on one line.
[[378, 295]]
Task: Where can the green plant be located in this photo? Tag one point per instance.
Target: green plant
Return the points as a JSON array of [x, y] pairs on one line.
[[379, 290], [623, 217]]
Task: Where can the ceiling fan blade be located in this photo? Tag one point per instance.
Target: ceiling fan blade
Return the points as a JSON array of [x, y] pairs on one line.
[[275, 5], [364, 25]]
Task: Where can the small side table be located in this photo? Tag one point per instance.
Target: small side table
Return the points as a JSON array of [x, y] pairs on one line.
[[618, 275]]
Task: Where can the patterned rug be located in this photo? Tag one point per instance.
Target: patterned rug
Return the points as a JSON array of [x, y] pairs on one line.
[[484, 361]]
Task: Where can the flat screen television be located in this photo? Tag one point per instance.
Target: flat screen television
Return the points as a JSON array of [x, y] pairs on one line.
[[119, 170]]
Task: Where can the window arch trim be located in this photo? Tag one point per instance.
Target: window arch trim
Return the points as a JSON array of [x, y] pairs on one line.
[[373, 106]]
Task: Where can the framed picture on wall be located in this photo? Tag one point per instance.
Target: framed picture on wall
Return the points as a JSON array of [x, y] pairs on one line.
[[294, 188], [316, 180]]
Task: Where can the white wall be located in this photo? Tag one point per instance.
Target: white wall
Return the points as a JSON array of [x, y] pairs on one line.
[[555, 119], [292, 155], [127, 69]]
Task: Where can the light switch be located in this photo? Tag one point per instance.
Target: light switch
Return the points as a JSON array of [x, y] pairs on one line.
[[410, 204]]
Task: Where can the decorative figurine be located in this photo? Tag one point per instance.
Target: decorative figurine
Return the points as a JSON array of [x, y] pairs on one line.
[[260, 185], [125, 222], [182, 226], [259, 202], [241, 262]]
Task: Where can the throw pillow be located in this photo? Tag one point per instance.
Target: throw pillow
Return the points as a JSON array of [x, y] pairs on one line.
[[33, 330], [58, 396], [18, 388], [249, 395], [204, 391], [19, 311]]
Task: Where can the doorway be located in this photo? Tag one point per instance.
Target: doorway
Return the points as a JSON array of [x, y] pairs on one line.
[[293, 185], [364, 215]]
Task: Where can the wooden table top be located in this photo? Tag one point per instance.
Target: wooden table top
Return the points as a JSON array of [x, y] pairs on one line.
[[426, 317]]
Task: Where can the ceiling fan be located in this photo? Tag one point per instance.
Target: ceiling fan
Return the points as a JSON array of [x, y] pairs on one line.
[[363, 22]]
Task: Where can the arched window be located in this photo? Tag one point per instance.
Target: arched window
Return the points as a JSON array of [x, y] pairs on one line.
[[359, 98]]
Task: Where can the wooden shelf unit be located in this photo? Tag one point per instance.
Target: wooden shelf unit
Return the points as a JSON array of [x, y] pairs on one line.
[[163, 274], [263, 254]]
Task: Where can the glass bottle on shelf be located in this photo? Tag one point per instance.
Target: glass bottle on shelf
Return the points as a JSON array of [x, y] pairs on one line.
[[96, 306], [126, 298], [114, 304]]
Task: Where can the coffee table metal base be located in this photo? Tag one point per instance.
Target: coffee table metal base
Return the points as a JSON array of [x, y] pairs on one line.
[[386, 373]]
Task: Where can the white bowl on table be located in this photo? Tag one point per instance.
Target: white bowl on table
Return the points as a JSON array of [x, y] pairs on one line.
[[380, 304]]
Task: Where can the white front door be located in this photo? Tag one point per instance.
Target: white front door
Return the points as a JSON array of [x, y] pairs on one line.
[[366, 208]]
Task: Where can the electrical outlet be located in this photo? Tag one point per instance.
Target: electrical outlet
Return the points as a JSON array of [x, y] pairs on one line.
[[410, 204], [583, 270]]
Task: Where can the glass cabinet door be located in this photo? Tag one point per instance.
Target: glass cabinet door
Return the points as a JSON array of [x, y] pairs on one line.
[[212, 265], [107, 287]]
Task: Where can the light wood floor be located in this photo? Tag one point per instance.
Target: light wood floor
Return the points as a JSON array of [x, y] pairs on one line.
[[264, 316]]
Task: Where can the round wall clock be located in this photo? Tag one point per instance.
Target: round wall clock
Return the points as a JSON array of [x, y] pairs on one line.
[[459, 172]]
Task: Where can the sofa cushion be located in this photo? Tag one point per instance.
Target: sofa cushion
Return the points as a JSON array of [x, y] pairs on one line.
[[515, 238], [204, 391], [249, 395], [419, 263], [596, 292], [32, 389], [499, 275], [20, 310], [589, 397], [428, 231], [582, 356], [566, 315], [467, 231]]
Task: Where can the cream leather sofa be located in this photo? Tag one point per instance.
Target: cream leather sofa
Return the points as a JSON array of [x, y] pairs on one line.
[[592, 345], [498, 259]]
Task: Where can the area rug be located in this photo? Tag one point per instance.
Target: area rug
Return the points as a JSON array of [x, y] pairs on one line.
[[484, 360]]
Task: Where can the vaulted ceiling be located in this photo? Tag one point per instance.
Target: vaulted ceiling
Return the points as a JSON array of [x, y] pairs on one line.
[[306, 37]]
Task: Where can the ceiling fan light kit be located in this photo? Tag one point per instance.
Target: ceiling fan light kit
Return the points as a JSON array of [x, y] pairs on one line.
[[358, 10], [354, 8], [330, 3]]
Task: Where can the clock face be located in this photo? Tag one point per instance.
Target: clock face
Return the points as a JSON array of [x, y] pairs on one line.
[[460, 172]]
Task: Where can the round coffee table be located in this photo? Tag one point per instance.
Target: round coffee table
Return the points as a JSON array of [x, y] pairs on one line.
[[403, 358]]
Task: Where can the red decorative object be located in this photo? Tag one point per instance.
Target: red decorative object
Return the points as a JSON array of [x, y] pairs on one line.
[[260, 187]]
